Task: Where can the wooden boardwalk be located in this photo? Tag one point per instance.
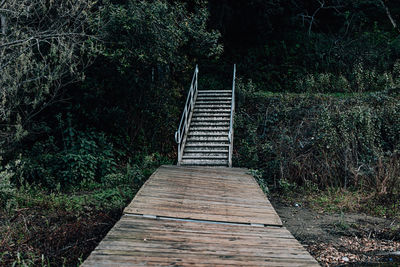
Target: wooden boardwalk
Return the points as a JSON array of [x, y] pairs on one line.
[[202, 216]]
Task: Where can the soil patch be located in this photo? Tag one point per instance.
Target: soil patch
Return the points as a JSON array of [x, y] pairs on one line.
[[335, 239], [35, 237]]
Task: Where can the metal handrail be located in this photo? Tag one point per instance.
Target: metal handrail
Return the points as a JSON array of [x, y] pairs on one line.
[[230, 135], [184, 124]]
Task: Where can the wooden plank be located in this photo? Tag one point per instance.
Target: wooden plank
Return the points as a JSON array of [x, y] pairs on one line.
[[200, 193], [137, 241], [204, 193]]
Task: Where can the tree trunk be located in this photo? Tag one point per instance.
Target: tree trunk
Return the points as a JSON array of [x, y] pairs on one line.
[[3, 23], [389, 15]]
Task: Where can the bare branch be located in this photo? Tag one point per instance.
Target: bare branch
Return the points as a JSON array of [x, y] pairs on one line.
[[41, 53], [43, 37], [312, 17], [389, 15]]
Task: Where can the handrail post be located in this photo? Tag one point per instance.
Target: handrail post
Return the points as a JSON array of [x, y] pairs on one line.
[[230, 134], [189, 106], [179, 153]]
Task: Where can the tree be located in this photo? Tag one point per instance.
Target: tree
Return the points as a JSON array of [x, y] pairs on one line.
[[43, 46], [149, 51]]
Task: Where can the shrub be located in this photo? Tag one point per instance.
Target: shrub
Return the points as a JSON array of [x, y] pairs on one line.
[[341, 141], [6, 188], [82, 158], [361, 79]]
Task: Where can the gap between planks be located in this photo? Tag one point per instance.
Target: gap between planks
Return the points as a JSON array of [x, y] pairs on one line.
[[155, 217]]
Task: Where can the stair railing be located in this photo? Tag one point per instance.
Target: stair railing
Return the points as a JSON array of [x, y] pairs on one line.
[[230, 135], [189, 106]]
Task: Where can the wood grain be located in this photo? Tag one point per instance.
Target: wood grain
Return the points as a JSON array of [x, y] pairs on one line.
[[201, 193], [136, 241]]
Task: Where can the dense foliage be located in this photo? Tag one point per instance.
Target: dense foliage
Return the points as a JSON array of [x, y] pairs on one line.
[[90, 98], [141, 55], [348, 141], [45, 46], [91, 93], [311, 46], [128, 98]]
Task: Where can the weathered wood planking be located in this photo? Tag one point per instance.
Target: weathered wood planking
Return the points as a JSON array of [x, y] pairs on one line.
[[200, 194], [204, 193], [138, 241]]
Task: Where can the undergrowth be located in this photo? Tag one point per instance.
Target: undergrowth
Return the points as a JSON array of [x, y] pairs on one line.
[[339, 200], [345, 145], [55, 226]]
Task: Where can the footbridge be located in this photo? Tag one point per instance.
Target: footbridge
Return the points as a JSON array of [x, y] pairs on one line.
[[201, 212]]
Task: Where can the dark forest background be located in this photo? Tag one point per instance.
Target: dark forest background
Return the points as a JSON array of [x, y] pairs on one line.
[[92, 93]]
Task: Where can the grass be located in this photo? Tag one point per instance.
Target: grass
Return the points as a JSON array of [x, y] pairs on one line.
[[337, 200], [267, 94], [39, 227], [61, 229], [332, 200]]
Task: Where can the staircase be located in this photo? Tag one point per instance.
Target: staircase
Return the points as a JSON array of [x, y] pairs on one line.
[[205, 135]]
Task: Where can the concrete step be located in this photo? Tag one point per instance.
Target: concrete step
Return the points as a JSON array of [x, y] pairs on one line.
[[210, 123], [212, 110], [209, 128], [208, 96], [206, 150], [210, 115], [204, 162], [208, 133], [214, 95], [213, 98], [208, 138], [206, 145], [212, 106], [200, 156], [212, 102], [212, 119], [201, 92], [214, 91]]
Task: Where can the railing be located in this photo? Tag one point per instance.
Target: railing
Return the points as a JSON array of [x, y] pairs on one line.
[[184, 124], [230, 135]]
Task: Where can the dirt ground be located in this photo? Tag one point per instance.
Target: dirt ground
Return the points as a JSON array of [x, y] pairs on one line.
[[61, 237], [342, 239]]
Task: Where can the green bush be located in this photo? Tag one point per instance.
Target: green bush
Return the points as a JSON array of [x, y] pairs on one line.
[[361, 79], [83, 157], [7, 190], [341, 141]]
